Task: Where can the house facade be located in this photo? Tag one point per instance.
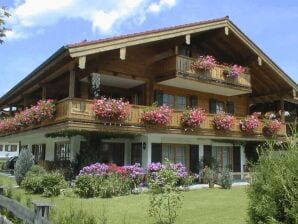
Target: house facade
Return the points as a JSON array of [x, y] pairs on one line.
[[143, 68]]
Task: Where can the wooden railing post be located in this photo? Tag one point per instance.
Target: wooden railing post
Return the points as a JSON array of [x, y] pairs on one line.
[[42, 210]]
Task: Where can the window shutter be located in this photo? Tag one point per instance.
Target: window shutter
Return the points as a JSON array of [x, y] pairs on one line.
[[194, 158], [193, 101], [159, 97], [43, 154], [230, 107], [156, 152], [212, 106]]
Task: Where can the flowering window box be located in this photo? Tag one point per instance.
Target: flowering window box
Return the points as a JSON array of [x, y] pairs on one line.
[[157, 116], [223, 121], [251, 123], [272, 124], [111, 110], [191, 119], [43, 110]]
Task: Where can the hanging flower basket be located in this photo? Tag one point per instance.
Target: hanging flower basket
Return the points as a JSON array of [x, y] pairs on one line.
[[157, 116], [251, 123], [191, 119], [111, 110], [223, 121]]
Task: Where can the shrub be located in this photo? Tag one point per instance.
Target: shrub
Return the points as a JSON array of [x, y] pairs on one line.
[[24, 163], [208, 176], [86, 186], [52, 184], [165, 199], [33, 180], [273, 193], [226, 179]]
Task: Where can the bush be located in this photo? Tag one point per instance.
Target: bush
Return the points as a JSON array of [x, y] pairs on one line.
[[86, 186], [165, 199], [273, 193], [52, 184], [226, 179], [33, 180], [24, 163]]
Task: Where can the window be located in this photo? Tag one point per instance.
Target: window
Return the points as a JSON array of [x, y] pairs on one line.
[[178, 102], [176, 153], [39, 152], [181, 102], [223, 156], [215, 106], [168, 99], [11, 148], [136, 153], [62, 151], [1, 148]]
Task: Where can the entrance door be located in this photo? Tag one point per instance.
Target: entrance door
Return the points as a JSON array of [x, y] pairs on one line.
[[236, 159]]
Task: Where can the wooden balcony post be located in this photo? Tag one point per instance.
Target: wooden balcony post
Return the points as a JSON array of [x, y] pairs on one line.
[[43, 92], [72, 83], [282, 110], [26, 101]]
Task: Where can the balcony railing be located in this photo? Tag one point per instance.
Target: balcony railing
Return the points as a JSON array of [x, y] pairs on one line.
[[181, 65], [81, 110]]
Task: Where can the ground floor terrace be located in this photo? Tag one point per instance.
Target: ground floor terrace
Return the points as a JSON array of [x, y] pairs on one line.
[[86, 147]]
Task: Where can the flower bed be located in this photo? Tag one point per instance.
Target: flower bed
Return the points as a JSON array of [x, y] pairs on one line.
[[193, 118], [251, 123], [157, 116], [156, 173], [104, 180], [224, 121], [111, 110], [45, 109]]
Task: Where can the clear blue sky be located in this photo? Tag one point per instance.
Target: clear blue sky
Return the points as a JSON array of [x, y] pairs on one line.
[[40, 27]]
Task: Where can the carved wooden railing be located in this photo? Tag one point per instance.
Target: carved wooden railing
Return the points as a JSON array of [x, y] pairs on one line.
[[217, 74], [181, 65], [81, 109]]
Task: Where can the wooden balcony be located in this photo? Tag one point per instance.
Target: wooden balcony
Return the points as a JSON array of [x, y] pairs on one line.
[[176, 71], [80, 111]]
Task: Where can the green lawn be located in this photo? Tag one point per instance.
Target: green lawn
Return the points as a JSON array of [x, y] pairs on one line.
[[199, 206]]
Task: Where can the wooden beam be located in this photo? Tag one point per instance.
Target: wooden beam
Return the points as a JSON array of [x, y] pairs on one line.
[[260, 61], [282, 110], [123, 53], [82, 62], [44, 92], [227, 31], [72, 83], [187, 39]]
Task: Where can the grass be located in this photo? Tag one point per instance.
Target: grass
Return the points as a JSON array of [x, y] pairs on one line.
[[199, 206]]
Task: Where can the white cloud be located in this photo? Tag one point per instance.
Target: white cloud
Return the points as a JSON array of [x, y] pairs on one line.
[[31, 16], [162, 4]]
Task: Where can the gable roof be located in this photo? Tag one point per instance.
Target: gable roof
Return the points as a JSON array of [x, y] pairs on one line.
[[85, 48]]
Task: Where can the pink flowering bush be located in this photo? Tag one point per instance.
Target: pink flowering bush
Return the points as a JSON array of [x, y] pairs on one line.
[[250, 123], [235, 70], [193, 118], [157, 115], [207, 62], [223, 121], [43, 110], [111, 110]]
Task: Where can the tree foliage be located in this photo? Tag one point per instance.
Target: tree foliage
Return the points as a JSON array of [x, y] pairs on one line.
[[4, 14]]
